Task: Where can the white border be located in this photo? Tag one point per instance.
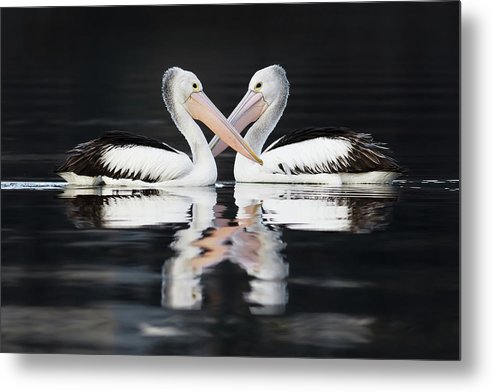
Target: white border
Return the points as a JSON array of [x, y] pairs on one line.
[[50, 3], [87, 373]]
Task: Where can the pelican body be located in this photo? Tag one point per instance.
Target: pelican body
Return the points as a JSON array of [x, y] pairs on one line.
[[121, 158], [328, 155]]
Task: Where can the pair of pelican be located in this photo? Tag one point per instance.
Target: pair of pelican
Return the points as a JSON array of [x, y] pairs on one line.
[[326, 155]]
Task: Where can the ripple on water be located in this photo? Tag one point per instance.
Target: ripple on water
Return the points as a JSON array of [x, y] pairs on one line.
[[19, 185], [413, 184]]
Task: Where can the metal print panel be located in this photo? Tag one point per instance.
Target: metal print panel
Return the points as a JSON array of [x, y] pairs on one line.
[[241, 180]]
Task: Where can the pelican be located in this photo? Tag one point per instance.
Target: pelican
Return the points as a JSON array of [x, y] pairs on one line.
[[329, 155], [121, 158]]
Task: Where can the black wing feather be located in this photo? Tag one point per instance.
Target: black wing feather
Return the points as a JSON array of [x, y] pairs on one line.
[[365, 155], [85, 159]]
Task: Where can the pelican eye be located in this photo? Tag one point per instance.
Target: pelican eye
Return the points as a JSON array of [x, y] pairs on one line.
[[195, 86], [258, 86]]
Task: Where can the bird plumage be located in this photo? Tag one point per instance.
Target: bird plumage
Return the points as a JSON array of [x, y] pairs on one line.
[[331, 150], [122, 155]]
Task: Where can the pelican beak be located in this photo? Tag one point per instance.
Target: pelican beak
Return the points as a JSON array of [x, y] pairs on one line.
[[201, 108], [251, 107]]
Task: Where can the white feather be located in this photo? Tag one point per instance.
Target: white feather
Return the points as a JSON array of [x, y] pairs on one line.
[[158, 164], [317, 154], [313, 153], [73, 178]]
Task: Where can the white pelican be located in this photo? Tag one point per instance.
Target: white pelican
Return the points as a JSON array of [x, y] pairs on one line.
[[327, 155], [120, 158]]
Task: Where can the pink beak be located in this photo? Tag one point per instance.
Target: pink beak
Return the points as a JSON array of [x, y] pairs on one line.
[[251, 107], [201, 108]]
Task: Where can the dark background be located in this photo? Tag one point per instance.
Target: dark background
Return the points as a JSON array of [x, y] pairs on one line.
[[392, 69]]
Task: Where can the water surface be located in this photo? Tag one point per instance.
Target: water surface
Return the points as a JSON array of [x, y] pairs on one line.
[[238, 269]]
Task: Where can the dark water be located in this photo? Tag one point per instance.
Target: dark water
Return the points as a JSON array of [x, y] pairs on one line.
[[245, 269], [236, 269]]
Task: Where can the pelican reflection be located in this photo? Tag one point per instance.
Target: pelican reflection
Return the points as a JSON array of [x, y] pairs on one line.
[[120, 208], [251, 239], [356, 209], [243, 241]]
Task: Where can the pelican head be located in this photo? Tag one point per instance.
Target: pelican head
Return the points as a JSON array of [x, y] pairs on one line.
[[266, 97], [271, 84], [183, 95]]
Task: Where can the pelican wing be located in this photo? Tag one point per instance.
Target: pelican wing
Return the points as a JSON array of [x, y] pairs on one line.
[[124, 155], [327, 150]]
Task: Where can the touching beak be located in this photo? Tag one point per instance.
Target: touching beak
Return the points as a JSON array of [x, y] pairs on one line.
[[201, 108], [251, 107]]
